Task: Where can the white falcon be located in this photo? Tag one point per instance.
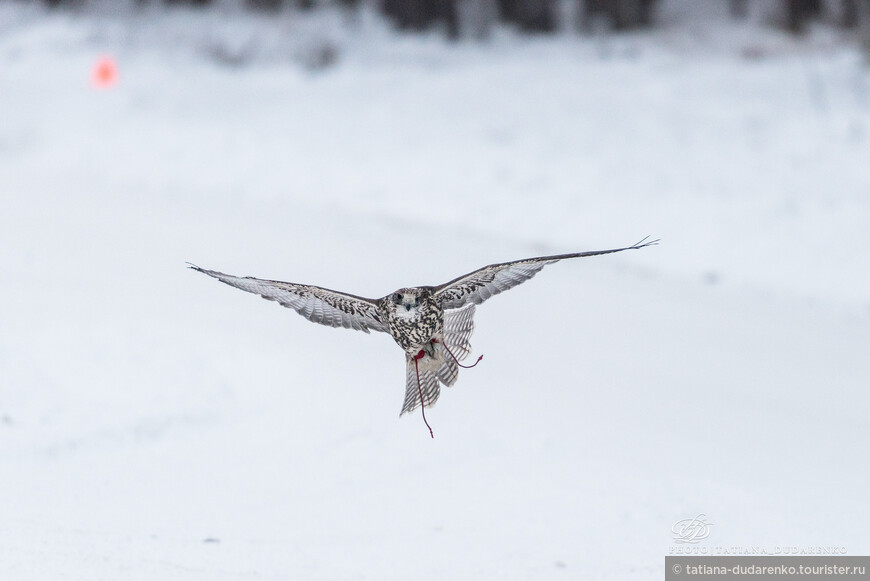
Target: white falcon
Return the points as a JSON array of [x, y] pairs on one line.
[[432, 324]]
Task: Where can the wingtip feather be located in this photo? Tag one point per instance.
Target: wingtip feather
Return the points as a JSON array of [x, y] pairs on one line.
[[642, 243]]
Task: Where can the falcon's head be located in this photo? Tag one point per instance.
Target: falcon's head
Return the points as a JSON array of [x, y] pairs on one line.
[[406, 302]]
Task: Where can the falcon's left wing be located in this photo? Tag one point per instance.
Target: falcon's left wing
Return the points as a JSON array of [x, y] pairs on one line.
[[475, 287], [320, 305]]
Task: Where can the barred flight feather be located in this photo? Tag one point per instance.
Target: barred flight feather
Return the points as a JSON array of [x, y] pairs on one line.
[[458, 326], [484, 283], [317, 304]]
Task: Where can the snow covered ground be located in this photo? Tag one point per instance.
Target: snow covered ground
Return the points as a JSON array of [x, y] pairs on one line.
[[155, 424]]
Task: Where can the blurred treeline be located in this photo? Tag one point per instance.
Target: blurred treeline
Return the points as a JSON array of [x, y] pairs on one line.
[[475, 18]]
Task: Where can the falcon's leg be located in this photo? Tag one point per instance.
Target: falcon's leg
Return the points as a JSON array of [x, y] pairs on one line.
[[417, 358]]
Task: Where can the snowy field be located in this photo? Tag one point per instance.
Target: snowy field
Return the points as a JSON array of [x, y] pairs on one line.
[[155, 424]]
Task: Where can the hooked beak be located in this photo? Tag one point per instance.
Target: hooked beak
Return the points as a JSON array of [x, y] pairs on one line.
[[407, 306]]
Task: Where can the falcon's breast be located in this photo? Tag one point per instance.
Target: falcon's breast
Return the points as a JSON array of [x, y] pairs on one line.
[[412, 331]]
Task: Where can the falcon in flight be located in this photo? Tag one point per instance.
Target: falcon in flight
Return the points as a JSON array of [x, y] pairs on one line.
[[432, 324]]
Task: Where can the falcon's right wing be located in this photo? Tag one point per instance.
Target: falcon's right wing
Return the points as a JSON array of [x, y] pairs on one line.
[[475, 287], [320, 305]]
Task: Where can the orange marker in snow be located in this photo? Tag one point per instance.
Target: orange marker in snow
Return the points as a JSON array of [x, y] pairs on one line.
[[105, 73]]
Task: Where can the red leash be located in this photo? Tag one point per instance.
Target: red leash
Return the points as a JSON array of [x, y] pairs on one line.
[[420, 356], [457, 360], [417, 358]]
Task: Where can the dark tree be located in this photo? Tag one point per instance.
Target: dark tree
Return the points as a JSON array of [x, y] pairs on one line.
[[414, 15], [621, 14], [799, 12], [863, 10], [529, 15], [536, 15], [507, 10], [270, 5], [446, 12], [58, 3], [419, 15], [189, 2]]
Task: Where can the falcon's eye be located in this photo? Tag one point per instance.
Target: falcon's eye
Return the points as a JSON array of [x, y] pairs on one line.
[[397, 298]]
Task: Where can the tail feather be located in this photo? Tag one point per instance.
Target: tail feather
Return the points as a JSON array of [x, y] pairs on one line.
[[428, 385]]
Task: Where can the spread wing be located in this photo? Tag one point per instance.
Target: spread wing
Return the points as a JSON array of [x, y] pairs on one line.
[[475, 287], [320, 305]]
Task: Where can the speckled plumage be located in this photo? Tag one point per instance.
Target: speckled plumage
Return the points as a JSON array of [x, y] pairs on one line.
[[432, 324], [415, 331]]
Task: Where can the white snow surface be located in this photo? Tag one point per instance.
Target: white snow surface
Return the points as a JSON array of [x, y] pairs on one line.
[[155, 424]]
